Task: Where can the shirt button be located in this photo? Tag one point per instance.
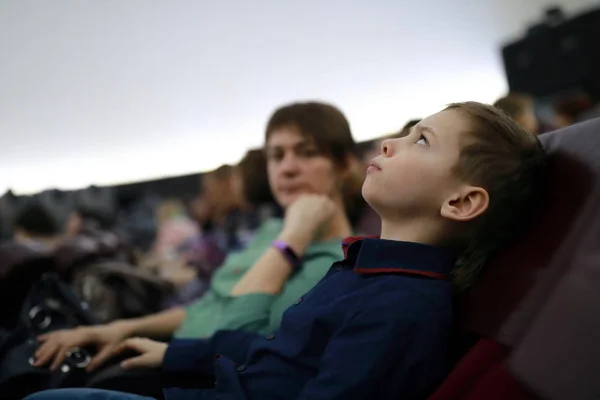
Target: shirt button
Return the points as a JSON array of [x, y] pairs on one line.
[[270, 337], [241, 368], [298, 301]]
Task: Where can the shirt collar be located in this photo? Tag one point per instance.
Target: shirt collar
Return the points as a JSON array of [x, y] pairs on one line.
[[371, 255]]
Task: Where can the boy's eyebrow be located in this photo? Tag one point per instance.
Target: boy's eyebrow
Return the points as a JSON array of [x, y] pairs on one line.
[[428, 129]]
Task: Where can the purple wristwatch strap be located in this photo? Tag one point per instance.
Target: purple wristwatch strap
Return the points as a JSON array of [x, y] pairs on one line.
[[289, 254]]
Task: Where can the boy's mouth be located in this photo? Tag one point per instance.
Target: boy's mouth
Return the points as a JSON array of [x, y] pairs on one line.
[[373, 166]]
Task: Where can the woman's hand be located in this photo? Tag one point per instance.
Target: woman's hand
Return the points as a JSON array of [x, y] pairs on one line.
[[55, 345], [305, 218]]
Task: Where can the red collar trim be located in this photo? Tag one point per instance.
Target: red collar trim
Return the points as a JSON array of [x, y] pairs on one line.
[[347, 242], [428, 274]]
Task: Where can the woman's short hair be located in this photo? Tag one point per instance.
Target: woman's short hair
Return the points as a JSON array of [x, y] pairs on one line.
[[323, 123]]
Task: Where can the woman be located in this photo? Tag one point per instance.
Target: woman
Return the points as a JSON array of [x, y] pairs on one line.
[[309, 150]]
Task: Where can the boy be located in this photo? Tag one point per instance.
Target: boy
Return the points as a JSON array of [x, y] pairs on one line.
[[376, 327]]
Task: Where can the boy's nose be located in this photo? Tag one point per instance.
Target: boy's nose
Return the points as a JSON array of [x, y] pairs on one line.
[[386, 148]]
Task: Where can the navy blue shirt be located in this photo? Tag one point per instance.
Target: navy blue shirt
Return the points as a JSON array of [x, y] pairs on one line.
[[375, 327]]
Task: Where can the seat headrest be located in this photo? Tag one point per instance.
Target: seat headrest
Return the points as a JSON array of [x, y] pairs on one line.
[[538, 256]]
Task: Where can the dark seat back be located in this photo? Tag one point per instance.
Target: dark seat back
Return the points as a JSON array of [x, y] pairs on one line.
[[558, 355], [518, 281]]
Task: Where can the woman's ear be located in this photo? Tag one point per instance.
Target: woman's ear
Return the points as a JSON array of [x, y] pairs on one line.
[[466, 205]]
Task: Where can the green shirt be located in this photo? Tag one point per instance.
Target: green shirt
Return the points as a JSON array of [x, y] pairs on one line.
[[255, 312]]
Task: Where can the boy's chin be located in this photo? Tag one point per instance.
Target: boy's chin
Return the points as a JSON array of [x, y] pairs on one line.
[[381, 205], [371, 199]]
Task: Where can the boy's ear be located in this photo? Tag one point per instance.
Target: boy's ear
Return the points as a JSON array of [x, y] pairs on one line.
[[467, 204]]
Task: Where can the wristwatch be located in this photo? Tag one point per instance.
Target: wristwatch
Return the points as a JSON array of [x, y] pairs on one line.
[[289, 254]]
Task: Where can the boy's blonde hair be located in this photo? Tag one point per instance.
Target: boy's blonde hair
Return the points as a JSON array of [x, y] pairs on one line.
[[510, 163]]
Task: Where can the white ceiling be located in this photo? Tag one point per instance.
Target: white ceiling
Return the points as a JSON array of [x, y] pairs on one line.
[[112, 91]]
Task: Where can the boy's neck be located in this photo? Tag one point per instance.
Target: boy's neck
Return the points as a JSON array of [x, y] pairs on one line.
[[407, 231]]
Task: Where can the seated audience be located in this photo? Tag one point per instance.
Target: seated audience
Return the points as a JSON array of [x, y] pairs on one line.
[[309, 148], [520, 107], [35, 226], [569, 109], [377, 326], [174, 228], [234, 204], [227, 218], [88, 221], [136, 220]]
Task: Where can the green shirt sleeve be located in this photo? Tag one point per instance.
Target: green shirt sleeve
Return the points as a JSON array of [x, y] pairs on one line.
[[256, 312], [207, 314], [249, 312], [262, 313]]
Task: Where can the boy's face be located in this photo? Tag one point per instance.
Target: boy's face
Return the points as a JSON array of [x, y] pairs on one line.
[[412, 175]]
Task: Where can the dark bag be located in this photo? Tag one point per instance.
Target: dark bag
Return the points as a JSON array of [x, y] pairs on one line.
[[49, 306], [116, 290]]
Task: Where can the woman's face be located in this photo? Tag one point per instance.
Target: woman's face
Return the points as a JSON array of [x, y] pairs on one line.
[[296, 166]]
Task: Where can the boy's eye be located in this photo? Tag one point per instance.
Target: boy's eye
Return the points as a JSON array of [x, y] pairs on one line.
[[422, 141]]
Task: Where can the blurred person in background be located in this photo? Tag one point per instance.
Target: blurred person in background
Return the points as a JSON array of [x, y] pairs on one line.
[[175, 227], [248, 202], [217, 199], [309, 149], [137, 221], [88, 221], [520, 107], [36, 227], [234, 212], [569, 109], [212, 210]]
